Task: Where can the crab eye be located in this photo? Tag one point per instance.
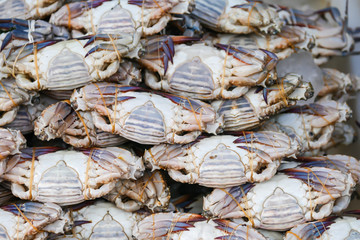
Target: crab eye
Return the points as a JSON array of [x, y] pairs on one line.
[[311, 134]]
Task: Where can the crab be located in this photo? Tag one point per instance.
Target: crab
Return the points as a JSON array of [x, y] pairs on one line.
[[26, 115], [337, 83], [30, 220], [312, 124], [100, 219], [343, 134], [56, 65], [117, 26], [332, 37], [291, 197], [105, 17], [28, 9], [238, 17], [340, 228], [259, 104], [68, 177], [178, 226], [204, 72], [283, 44], [143, 116], [11, 96], [76, 128], [149, 191], [250, 157], [11, 141]]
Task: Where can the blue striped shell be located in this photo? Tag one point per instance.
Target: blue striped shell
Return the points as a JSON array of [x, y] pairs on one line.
[[232, 169], [116, 21], [60, 184], [67, 70], [193, 77], [108, 228], [145, 122]]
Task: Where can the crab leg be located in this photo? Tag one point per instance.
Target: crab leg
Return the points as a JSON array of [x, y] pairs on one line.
[[165, 224]]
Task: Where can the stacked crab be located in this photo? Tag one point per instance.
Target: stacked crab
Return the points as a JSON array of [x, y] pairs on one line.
[[124, 102]]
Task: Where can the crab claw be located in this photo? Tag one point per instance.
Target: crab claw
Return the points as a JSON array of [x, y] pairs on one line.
[[247, 55], [15, 34], [160, 225], [268, 139], [236, 231], [334, 12], [189, 104], [163, 48], [17, 28], [39, 214], [325, 114], [105, 46], [310, 230], [93, 38], [7, 24], [22, 52], [338, 162], [224, 202], [29, 153], [272, 59], [321, 179], [78, 223]]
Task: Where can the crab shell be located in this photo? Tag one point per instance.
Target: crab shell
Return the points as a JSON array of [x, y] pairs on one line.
[[178, 226], [204, 72], [149, 191], [249, 110], [11, 141], [311, 124], [249, 157], [61, 66], [129, 73], [28, 9], [233, 16], [339, 228], [70, 177], [289, 198], [145, 117], [101, 219], [76, 128], [114, 17], [30, 220]]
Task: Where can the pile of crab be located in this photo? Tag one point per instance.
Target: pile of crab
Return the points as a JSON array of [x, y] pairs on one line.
[[174, 119]]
